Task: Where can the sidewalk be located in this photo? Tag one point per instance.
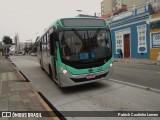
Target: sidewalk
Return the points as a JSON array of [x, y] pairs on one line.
[[16, 94], [137, 61]]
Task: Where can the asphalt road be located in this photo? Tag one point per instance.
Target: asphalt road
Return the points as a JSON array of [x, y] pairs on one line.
[[99, 96], [139, 74]]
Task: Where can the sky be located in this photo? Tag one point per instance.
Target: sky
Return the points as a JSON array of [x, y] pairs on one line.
[[29, 18]]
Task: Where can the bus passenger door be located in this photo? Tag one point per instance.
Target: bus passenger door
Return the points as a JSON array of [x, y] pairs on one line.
[[44, 53], [53, 55]]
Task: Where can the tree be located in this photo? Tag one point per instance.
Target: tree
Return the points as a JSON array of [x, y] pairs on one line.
[[7, 40], [0, 48]]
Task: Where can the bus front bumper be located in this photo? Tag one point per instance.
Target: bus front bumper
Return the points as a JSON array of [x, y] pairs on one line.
[[73, 80]]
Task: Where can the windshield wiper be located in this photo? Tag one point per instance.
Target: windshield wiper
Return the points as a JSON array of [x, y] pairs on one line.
[[97, 32], [77, 34]]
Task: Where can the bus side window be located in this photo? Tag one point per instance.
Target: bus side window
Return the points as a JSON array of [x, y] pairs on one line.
[[40, 46], [48, 45], [51, 44], [45, 43], [53, 39]]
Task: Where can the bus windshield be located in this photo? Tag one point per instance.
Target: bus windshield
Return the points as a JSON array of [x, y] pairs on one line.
[[76, 45]]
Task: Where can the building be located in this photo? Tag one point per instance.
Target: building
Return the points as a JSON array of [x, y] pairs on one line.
[[18, 46], [115, 12], [155, 4], [28, 45], [154, 35], [16, 41], [130, 32], [155, 29], [108, 6], [21, 46]]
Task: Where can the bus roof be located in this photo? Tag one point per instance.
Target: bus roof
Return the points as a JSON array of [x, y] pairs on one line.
[[78, 22]]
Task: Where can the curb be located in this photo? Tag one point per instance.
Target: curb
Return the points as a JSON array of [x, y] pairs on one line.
[[47, 105], [137, 61]]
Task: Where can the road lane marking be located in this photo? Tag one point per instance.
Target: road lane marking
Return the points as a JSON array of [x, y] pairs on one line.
[[135, 85]]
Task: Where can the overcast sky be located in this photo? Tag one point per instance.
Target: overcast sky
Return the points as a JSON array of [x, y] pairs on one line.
[[29, 18]]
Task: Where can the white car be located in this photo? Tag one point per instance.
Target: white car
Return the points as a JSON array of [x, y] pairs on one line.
[[33, 54]]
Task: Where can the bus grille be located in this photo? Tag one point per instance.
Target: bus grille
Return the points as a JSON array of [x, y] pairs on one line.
[[85, 79]]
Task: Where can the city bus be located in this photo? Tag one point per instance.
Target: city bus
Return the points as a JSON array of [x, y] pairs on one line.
[[75, 51]]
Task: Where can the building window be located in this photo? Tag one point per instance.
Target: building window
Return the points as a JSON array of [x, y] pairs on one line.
[[142, 45], [140, 10], [156, 40], [118, 42]]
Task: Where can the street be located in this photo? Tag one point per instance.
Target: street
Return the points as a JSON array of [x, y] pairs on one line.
[[80, 60], [139, 74], [99, 96]]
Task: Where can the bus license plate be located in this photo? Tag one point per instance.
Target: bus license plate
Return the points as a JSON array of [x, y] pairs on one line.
[[91, 76]]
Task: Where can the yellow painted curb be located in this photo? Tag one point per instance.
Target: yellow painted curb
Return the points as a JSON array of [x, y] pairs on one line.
[[46, 106], [39, 97], [19, 72]]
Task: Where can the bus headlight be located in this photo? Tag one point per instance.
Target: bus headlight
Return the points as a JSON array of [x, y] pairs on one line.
[[111, 65], [64, 71]]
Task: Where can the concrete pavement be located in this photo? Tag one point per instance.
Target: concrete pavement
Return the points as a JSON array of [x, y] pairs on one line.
[[16, 94], [137, 61]]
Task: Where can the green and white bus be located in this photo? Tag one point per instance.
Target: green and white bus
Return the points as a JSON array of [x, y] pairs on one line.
[[76, 51]]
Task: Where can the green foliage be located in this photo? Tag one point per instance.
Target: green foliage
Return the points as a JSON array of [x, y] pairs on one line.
[[7, 40]]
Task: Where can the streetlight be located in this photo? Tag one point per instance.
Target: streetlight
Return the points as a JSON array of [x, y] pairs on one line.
[[82, 11], [87, 13]]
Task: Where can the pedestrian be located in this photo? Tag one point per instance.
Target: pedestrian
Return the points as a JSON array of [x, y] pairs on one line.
[[120, 53]]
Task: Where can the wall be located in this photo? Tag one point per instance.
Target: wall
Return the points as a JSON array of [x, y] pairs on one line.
[[133, 41], [107, 6], [130, 3], [110, 5], [127, 23], [154, 18]]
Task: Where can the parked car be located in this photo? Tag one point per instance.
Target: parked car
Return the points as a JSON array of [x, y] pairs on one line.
[[33, 54], [18, 54]]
